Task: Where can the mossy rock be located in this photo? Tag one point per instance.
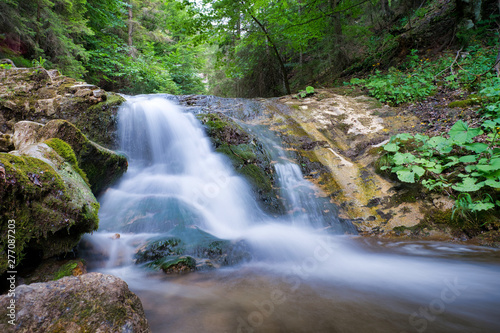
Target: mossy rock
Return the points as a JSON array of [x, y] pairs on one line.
[[175, 265], [159, 252], [101, 166], [54, 268], [248, 157], [38, 95], [257, 177], [222, 130], [91, 302], [51, 209], [65, 151]]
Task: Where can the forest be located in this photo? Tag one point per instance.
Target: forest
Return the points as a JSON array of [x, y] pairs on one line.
[[236, 48]]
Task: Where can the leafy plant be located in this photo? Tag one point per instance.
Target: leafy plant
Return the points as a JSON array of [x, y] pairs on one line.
[[305, 93], [40, 62], [452, 162], [397, 86]]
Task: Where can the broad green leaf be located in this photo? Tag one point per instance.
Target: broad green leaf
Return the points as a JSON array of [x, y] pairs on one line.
[[468, 185], [478, 206], [391, 147], [492, 183], [470, 168], [437, 169], [492, 166], [436, 140], [421, 138], [404, 136], [442, 145], [406, 176], [419, 171], [468, 159], [477, 147], [309, 90], [403, 158], [461, 133]]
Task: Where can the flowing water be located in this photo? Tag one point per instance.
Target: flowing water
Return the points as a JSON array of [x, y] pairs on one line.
[[302, 277]]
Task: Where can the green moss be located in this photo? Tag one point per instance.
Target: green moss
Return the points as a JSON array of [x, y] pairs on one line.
[[181, 264], [464, 103], [101, 166], [65, 151], [47, 219], [245, 152], [257, 177], [65, 270]]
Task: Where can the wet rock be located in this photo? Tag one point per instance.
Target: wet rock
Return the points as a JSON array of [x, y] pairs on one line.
[[248, 157], [91, 302], [191, 249]]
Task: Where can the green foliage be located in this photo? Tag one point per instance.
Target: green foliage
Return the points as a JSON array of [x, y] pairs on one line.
[[305, 93], [400, 86], [66, 270], [455, 162], [40, 62]]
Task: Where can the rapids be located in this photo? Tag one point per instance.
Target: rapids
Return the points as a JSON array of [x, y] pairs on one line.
[[303, 277]]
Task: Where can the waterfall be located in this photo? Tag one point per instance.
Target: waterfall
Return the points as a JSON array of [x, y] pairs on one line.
[[327, 281]]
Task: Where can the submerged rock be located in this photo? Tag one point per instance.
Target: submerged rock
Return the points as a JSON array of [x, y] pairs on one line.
[[187, 249], [91, 302]]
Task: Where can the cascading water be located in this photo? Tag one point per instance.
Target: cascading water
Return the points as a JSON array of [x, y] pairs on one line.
[[301, 279]]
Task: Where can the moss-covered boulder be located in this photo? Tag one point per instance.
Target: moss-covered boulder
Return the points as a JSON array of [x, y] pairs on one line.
[[101, 166], [248, 157], [45, 201], [190, 248], [36, 94], [91, 302]]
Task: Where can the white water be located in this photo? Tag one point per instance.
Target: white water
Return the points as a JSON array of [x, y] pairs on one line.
[[175, 177]]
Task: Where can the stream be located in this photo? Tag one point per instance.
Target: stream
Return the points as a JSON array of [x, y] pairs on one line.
[[307, 271]]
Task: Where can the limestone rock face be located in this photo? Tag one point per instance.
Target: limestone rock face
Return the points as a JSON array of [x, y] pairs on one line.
[[26, 133], [36, 94], [91, 302]]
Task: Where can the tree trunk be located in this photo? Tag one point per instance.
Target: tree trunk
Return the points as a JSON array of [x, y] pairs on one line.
[[276, 52]]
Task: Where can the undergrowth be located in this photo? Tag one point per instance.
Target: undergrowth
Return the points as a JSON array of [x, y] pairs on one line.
[[464, 162]]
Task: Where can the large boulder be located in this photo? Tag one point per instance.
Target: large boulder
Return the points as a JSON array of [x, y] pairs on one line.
[[101, 166], [91, 302], [50, 203], [36, 94]]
